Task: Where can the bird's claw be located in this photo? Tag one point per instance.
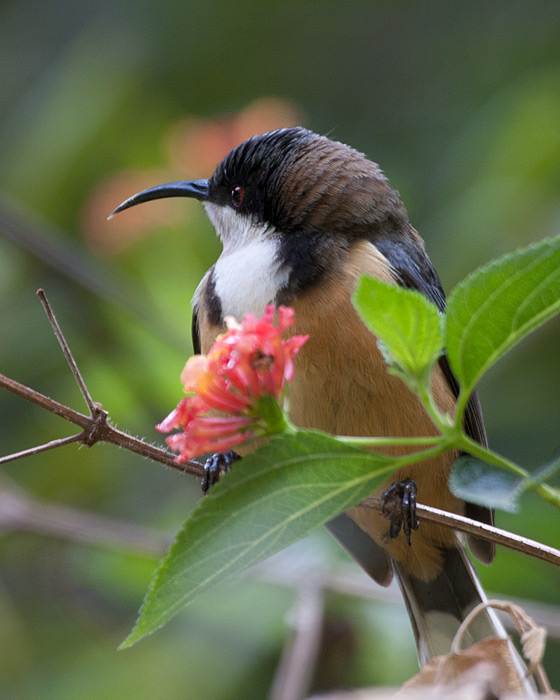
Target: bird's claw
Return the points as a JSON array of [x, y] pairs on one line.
[[216, 466], [399, 506]]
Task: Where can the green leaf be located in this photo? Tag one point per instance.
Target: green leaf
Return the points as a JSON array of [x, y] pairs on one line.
[[478, 482], [406, 323], [270, 499], [499, 304]]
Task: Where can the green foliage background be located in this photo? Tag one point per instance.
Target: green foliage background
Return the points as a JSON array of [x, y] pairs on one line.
[[458, 102]]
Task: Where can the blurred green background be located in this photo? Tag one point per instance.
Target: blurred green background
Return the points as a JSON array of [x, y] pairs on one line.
[[460, 104]]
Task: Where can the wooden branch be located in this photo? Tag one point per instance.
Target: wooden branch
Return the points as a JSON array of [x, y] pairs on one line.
[[66, 351], [474, 527], [96, 428], [19, 511], [53, 444]]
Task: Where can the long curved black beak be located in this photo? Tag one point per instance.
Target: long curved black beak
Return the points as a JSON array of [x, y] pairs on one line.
[[196, 189]]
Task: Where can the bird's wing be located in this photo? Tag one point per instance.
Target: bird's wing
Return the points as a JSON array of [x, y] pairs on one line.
[[413, 270], [195, 331]]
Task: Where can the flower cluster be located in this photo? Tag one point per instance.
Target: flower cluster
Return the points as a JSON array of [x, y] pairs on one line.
[[246, 365]]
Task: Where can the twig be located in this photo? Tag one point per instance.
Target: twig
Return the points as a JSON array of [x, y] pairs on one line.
[[66, 350], [20, 512], [98, 429], [42, 448], [474, 527], [299, 657], [95, 427], [74, 262]]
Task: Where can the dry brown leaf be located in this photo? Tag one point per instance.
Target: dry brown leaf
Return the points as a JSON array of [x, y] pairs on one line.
[[485, 671], [487, 664]]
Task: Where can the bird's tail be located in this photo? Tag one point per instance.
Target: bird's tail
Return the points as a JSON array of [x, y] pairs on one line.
[[438, 607]]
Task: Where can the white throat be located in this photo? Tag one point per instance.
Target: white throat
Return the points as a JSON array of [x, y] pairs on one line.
[[248, 274]]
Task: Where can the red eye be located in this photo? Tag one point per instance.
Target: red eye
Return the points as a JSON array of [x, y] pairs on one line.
[[237, 195]]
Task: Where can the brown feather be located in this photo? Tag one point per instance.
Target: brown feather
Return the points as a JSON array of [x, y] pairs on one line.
[[353, 394], [342, 369]]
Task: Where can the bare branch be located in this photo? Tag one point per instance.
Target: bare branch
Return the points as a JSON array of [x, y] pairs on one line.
[[74, 262], [59, 409], [299, 657], [66, 351], [97, 428], [42, 448], [20, 512], [474, 527]]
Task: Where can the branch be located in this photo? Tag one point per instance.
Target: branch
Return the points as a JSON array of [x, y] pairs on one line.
[[20, 512], [301, 650], [41, 448], [67, 353], [96, 428], [474, 527]]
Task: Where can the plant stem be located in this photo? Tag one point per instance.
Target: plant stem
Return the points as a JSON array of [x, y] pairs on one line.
[[420, 456], [549, 493], [486, 455], [461, 407], [275, 419], [388, 441]]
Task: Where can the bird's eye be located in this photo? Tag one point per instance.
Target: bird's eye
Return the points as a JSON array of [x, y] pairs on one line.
[[237, 195]]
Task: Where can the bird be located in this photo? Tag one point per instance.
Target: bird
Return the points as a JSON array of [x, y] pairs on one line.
[[301, 217]]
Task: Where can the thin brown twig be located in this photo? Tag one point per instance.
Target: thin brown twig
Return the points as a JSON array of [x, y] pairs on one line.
[[53, 444], [96, 428], [474, 527], [20, 512], [66, 351]]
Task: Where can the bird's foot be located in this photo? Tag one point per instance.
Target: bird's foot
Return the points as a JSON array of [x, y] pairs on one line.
[[216, 466], [399, 506]]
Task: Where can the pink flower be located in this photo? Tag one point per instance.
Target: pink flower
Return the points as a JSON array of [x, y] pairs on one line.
[[245, 366]]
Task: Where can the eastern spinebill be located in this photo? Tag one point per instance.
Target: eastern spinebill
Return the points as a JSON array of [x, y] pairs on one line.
[[301, 217]]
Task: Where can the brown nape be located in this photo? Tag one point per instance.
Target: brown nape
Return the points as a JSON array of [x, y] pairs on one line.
[[332, 187]]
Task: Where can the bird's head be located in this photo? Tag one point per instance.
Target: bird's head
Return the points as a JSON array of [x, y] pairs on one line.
[[288, 181]]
